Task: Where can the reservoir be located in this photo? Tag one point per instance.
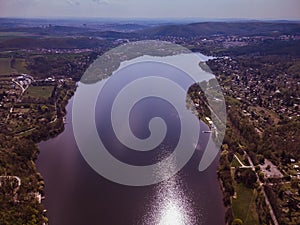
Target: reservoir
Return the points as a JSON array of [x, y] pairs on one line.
[[77, 195]]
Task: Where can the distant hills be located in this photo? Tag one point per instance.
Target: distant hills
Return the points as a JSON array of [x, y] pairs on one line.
[[92, 28], [76, 34], [224, 28]]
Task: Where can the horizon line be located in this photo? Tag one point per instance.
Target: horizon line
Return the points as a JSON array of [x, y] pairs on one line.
[[154, 19]]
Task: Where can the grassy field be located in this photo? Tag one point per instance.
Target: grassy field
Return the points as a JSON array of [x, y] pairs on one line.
[[244, 205], [9, 66], [20, 65], [43, 92], [5, 66]]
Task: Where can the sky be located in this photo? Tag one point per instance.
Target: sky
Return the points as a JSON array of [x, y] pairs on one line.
[[206, 9]]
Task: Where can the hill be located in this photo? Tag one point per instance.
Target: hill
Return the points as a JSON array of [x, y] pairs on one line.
[[224, 28]]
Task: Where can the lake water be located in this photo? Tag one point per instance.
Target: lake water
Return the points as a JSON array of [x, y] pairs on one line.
[[77, 195]]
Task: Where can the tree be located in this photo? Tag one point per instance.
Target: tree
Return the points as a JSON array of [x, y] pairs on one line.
[[246, 176], [261, 159], [25, 148], [237, 222], [294, 183], [261, 176], [257, 168], [267, 154]]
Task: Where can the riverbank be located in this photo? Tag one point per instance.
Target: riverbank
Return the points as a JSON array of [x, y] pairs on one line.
[[24, 199], [56, 127], [243, 193]]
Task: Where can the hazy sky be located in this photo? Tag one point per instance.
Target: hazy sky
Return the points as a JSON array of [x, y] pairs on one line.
[[254, 9]]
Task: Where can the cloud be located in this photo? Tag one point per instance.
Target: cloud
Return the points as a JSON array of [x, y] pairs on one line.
[[101, 2], [73, 2], [24, 2]]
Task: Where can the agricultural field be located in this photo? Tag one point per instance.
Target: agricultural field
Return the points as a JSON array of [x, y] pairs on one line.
[[19, 65], [11, 35], [42, 92], [12, 66], [5, 66]]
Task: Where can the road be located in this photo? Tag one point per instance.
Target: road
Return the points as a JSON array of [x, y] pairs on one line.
[[240, 162], [12, 177], [275, 221], [23, 90]]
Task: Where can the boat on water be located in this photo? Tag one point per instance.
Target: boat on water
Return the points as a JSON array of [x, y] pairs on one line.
[[207, 132]]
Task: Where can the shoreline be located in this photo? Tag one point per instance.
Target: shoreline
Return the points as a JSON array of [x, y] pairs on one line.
[[58, 130]]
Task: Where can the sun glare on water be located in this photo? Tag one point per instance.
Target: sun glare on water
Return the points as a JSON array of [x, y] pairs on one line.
[[172, 215], [172, 203]]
